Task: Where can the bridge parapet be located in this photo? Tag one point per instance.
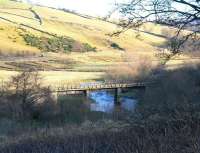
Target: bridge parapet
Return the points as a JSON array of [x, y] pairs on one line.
[[98, 86]]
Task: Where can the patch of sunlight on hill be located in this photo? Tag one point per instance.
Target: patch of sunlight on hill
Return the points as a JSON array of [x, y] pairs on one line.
[[11, 48], [160, 30], [57, 77], [96, 35], [63, 77], [18, 13], [12, 43], [13, 4], [93, 31], [6, 75], [61, 16], [18, 19], [87, 30]]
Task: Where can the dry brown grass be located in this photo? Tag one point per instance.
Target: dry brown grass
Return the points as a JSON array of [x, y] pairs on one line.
[[92, 31], [178, 136], [130, 70], [52, 78]]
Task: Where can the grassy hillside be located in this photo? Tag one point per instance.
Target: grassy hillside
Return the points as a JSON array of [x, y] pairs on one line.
[[15, 15], [49, 31]]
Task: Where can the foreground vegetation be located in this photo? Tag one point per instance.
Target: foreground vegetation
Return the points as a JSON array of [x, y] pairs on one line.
[[162, 137], [165, 120]]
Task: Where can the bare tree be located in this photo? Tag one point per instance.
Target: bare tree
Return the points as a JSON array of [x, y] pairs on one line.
[[26, 94], [182, 14]]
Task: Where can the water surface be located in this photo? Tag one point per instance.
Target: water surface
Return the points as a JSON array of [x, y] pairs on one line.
[[103, 101]]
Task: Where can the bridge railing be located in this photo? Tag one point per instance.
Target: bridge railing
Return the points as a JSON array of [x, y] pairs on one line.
[[101, 85]]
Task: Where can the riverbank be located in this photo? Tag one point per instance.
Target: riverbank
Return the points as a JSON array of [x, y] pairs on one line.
[[166, 119]]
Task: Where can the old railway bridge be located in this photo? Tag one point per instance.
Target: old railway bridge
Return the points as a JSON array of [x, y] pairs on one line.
[[85, 88]]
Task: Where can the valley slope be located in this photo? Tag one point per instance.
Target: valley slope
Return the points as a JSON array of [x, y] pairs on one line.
[[18, 20]]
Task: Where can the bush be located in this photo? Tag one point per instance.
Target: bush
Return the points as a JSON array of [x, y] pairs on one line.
[[175, 94], [116, 46], [130, 71], [88, 48], [160, 137], [57, 44], [178, 44], [25, 97], [31, 40]]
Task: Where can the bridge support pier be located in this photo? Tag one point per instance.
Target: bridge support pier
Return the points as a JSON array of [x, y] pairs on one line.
[[116, 96], [55, 96], [86, 93]]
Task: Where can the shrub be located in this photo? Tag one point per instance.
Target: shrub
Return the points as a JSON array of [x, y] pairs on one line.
[[130, 71], [88, 47], [176, 136], [181, 43], [175, 94], [31, 40], [25, 97], [164, 56], [57, 44], [116, 46]]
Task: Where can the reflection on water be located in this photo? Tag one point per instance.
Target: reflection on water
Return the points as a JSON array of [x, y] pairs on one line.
[[99, 105], [103, 101]]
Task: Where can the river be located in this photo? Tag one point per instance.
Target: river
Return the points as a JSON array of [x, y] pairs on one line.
[[103, 101], [98, 105]]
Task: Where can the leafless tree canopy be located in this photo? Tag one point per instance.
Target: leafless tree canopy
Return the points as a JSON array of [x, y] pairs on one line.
[[182, 14], [24, 95]]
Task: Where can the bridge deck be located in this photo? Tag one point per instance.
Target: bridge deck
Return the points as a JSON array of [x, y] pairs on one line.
[[99, 86]]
